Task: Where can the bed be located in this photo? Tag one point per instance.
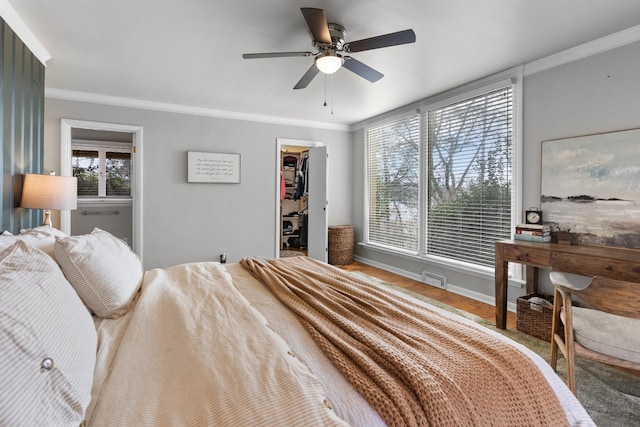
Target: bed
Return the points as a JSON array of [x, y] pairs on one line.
[[87, 336]]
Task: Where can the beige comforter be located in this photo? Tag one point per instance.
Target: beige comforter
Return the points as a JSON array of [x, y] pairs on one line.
[[196, 353], [411, 365]]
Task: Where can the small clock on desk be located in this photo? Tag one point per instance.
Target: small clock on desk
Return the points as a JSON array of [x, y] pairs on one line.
[[533, 216]]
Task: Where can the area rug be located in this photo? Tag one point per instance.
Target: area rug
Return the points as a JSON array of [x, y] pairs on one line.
[[284, 253], [610, 396]]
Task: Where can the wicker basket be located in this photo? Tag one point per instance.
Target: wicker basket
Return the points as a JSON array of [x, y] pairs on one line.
[[341, 244], [534, 319]]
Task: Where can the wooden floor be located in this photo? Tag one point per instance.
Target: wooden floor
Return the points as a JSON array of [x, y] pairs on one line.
[[478, 308]]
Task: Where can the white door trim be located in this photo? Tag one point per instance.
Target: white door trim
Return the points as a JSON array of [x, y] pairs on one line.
[[279, 143], [136, 192]]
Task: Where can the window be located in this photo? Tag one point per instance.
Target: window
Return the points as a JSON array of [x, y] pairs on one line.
[[102, 170], [462, 165], [469, 177], [393, 160]]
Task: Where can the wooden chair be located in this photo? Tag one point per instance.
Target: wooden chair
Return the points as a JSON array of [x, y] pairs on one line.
[[607, 330]]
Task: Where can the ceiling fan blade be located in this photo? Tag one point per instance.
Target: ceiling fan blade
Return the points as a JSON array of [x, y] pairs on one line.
[[361, 69], [317, 23], [308, 76], [385, 40], [275, 55]]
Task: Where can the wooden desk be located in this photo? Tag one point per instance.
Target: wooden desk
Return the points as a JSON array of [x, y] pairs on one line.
[[616, 263]]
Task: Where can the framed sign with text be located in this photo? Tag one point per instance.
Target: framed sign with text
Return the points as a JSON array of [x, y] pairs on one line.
[[217, 168]]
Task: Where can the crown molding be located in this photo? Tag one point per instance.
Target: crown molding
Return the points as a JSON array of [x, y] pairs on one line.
[[185, 109], [21, 29], [603, 44]]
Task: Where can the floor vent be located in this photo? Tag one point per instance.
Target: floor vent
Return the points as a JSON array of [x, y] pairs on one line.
[[434, 280]]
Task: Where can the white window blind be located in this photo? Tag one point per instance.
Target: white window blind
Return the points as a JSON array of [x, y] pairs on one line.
[[469, 177], [393, 164]]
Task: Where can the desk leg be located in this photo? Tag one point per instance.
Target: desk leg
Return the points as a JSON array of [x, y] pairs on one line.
[[532, 279], [502, 275]]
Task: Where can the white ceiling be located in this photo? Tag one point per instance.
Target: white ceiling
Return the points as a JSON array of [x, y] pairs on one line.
[[188, 52]]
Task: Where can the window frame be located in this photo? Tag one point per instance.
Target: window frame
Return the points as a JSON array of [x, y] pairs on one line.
[[367, 200], [511, 78], [102, 147]]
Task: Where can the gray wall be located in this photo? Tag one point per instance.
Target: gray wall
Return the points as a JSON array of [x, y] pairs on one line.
[[185, 222], [594, 95], [597, 94]]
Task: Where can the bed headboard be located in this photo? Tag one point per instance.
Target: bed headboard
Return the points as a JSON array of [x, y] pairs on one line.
[[22, 115]]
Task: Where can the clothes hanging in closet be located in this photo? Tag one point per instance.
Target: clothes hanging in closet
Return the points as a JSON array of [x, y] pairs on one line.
[[289, 161], [304, 230], [302, 187]]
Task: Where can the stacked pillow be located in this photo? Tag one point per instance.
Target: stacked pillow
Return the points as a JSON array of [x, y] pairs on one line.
[[47, 336], [47, 342], [42, 237], [104, 271]]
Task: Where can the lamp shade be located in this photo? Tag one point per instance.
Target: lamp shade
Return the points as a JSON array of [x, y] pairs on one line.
[[49, 192], [328, 64]]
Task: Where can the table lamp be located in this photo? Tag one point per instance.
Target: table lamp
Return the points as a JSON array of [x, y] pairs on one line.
[[49, 192]]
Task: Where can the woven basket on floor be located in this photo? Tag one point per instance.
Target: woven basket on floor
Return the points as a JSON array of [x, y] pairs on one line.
[[341, 239], [534, 319]]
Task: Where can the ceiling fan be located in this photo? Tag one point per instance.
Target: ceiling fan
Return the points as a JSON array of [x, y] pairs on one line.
[[328, 40]]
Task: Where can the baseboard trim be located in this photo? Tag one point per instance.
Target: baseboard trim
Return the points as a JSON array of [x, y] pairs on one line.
[[458, 290]]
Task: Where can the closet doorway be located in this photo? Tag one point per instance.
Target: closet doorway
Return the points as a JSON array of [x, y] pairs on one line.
[[107, 158], [301, 195]]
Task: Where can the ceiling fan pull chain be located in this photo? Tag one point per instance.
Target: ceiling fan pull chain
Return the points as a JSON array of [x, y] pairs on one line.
[[325, 91], [331, 94]]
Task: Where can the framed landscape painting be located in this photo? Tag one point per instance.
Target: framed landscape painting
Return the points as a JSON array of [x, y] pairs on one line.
[[590, 186]]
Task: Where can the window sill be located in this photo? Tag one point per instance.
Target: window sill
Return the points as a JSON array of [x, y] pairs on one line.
[[102, 202]]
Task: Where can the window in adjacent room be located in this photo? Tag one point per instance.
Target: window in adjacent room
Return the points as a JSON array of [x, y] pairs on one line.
[[439, 182], [103, 170]]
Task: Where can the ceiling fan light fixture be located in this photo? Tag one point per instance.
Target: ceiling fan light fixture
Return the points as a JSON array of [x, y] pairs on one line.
[[328, 63]]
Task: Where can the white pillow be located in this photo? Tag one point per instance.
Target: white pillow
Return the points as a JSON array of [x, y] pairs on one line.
[[47, 342], [43, 238], [104, 271]]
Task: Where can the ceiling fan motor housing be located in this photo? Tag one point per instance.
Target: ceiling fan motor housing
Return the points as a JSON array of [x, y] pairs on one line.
[[338, 35]]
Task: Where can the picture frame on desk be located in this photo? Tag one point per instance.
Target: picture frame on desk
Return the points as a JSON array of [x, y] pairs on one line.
[[564, 237]]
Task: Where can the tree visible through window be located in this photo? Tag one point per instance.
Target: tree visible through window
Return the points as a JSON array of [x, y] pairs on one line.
[[469, 177], [102, 171], [86, 167], [466, 177], [393, 175]]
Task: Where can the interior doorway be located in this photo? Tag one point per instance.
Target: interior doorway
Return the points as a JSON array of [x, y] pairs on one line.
[[301, 195], [111, 196]]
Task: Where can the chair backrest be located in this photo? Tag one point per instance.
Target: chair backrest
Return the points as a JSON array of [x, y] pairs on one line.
[[612, 296]]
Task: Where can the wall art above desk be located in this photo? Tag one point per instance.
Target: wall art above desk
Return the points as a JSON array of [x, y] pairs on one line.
[[590, 185]]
